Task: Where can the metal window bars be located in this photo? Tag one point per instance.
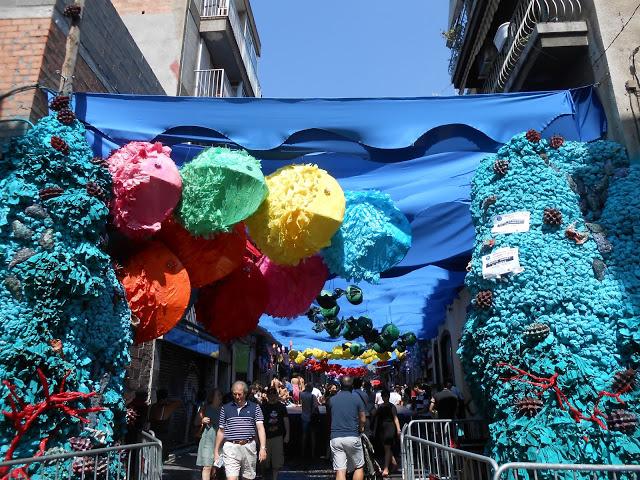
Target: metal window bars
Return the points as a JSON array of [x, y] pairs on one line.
[[138, 461], [433, 450], [527, 15]]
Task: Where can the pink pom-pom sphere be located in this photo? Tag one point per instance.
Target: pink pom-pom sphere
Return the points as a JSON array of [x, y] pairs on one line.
[[293, 288], [146, 187]]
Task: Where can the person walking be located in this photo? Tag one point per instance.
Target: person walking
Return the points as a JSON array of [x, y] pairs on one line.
[[445, 402], [387, 430], [160, 416], [347, 422], [277, 428], [240, 423], [208, 415], [308, 417]]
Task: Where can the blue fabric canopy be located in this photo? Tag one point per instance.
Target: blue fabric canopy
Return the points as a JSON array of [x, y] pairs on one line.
[[421, 151]]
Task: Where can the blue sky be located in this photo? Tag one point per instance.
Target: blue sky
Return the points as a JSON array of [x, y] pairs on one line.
[[352, 48]]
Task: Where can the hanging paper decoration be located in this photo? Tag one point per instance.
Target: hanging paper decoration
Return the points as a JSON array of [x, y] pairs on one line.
[[146, 187], [292, 288], [231, 307], [157, 288], [303, 211], [221, 188], [374, 237], [334, 369], [206, 259]]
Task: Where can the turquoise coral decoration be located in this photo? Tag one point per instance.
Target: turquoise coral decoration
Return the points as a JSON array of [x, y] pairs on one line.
[[220, 188], [62, 311], [374, 236], [545, 345]]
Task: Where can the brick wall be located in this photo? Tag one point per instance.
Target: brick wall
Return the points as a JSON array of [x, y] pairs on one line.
[[22, 44], [32, 48]]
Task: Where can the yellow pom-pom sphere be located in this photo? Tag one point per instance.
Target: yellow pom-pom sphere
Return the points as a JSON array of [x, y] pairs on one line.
[[303, 210]]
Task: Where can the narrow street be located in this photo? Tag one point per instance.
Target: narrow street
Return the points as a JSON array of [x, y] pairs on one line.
[[183, 467]]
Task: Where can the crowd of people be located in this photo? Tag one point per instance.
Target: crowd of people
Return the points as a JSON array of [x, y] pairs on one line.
[[251, 426]]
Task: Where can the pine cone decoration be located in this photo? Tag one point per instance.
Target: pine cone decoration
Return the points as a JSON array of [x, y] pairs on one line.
[[622, 421], [60, 145], [84, 466], [533, 136], [96, 190], [66, 116], [99, 161], [552, 216], [132, 416], [536, 332], [529, 406], [556, 141], [501, 167], [47, 193], [80, 444], [59, 102], [624, 381], [484, 299], [72, 11]]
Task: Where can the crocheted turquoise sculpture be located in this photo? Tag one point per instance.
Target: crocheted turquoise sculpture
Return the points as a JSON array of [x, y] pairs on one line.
[[62, 311], [374, 236], [550, 351]]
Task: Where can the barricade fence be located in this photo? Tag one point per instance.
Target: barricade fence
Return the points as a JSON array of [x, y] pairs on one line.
[[449, 450], [138, 461]]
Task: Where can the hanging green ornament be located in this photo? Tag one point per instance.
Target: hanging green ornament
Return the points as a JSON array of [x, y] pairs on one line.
[[333, 327], [390, 333], [326, 299], [378, 348], [409, 339], [364, 323], [330, 312], [371, 335], [354, 295], [356, 349], [351, 330], [400, 346]]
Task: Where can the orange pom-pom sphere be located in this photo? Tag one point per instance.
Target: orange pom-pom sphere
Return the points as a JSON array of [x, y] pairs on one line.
[[206, 259], [157, 288]]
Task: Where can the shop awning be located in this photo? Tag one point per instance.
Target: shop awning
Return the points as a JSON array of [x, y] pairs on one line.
[[421, 151]]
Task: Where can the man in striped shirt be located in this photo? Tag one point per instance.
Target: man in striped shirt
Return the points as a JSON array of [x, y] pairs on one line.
[[240, 423]]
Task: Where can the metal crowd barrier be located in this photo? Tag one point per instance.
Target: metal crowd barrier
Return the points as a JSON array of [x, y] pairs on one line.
[[447, 450], [136, 461]]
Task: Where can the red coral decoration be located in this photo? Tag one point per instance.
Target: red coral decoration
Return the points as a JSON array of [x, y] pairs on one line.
[[66, 116], [72, 11], [533, 136], [23, 416], [59, 102], [556, 141], [551, 383], [60, 145], [47, 193]]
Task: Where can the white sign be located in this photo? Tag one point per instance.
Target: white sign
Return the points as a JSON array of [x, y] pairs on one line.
[[511, 222], [502, 261]]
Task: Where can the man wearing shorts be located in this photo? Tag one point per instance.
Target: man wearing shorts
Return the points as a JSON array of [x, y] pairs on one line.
[[240, 423], [347, 422]]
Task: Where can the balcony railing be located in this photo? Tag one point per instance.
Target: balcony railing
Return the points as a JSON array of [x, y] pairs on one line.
[[227, 8], [527, 15], [455, 36], [213, 83]]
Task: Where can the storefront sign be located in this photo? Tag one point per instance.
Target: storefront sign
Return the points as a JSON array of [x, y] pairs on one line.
[[511, 222], [502, 261]]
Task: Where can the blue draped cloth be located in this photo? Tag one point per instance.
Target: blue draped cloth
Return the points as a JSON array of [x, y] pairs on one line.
[[423, 152]]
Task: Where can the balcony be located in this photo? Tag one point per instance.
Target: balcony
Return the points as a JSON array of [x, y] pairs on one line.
[[231, 40], [545, 37], [213, 83]]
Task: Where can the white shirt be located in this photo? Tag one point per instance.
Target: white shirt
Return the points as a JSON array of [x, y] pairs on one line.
[[316, 393], [395, 398]]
